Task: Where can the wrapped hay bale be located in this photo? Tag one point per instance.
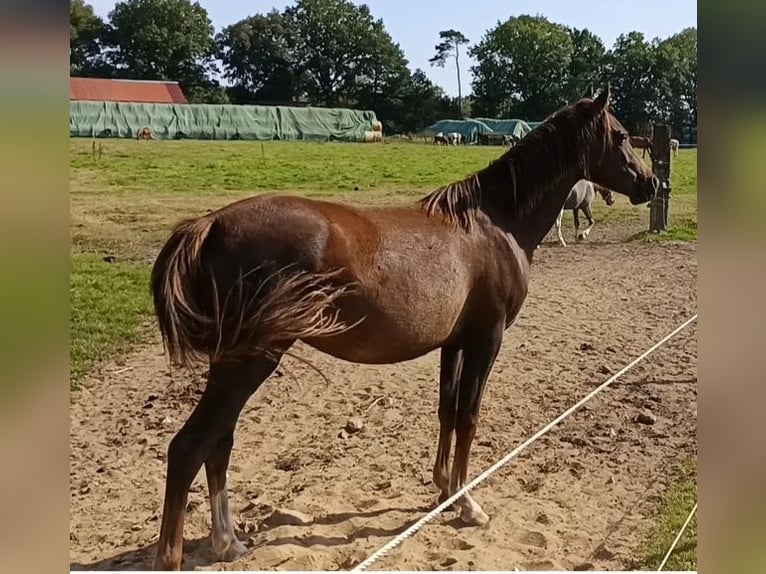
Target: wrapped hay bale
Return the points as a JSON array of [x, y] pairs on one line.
[[369, 137], [377, 126]]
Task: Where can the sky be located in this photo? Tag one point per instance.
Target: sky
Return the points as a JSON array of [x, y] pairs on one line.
[[415, 24]]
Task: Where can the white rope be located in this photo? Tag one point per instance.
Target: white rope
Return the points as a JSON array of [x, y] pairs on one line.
[[415, 527], [678, 538]]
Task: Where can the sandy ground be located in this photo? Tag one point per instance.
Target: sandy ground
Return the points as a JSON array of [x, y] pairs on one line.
[[581, 497]]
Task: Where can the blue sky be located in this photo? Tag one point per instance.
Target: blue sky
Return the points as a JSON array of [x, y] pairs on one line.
[[415, 24]]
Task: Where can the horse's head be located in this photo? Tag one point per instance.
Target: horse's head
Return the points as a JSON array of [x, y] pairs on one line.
[[613, 161], [606, 194]]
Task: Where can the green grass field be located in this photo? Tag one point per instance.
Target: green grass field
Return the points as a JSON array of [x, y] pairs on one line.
[[124, 205]]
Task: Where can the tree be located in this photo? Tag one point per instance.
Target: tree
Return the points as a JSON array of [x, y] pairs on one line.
[[586, 68], [522, 68], [675, 80], [451, 40], [422, 103], [259, 58], [631, 69], [87, 33], [342, 53], [164, 40]]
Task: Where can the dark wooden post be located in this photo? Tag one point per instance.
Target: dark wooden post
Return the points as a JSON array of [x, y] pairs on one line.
[[658, 214]]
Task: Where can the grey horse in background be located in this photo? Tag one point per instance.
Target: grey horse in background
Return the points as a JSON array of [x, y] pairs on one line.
[[582, 195]]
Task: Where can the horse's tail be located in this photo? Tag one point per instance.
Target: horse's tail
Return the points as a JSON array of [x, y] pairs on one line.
[[206, 309]]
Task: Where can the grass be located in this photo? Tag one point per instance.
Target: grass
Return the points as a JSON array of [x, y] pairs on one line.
[[671, 515], [109, 303], [685, 230]]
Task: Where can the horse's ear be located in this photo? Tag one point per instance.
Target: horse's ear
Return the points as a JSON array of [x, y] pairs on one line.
[[602, 101]]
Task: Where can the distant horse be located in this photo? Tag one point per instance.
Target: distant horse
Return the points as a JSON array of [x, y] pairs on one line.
[[581, 197], [377, 285], [674, 145], [145, 133], [455, 138], [642, 143], [440, 139], [510, 140]]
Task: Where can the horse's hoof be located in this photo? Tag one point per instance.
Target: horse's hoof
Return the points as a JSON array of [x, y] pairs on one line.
[[442, 498], [233, 551], [474, 517], [165, 564]]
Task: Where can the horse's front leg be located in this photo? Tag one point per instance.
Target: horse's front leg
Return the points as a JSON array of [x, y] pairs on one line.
[[588, 214], [478, 357], [449, 373], [578, 235]]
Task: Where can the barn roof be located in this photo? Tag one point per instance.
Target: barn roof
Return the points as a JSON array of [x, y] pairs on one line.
[[109, 90]]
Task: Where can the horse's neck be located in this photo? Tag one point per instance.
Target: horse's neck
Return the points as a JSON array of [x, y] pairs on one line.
[[533, 228], [529, 229]]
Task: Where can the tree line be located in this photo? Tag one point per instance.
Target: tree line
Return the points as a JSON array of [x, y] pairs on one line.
[[335, 53]]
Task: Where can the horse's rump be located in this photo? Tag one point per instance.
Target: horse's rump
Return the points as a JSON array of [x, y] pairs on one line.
[[209, 307]]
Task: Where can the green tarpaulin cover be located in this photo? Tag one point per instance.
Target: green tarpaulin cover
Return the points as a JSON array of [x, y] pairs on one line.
[[472, 128], [518, 128], [204, 121]]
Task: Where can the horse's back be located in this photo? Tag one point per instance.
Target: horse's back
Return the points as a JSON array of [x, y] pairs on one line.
[[582, 192]]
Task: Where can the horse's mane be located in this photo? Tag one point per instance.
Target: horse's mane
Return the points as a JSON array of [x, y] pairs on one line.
[[521, 177]]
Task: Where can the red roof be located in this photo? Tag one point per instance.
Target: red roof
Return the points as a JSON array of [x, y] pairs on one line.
[[108, 90]]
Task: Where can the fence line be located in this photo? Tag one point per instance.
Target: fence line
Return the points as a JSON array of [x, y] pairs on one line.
[[415, 527], [678, 538]]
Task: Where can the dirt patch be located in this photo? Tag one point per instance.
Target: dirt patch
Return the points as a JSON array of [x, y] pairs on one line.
[[581, 495]]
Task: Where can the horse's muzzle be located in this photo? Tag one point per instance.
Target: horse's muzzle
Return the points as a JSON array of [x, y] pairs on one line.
[[648, 190]]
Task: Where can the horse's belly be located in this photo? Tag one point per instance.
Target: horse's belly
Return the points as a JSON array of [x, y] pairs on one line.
[[393, 332]]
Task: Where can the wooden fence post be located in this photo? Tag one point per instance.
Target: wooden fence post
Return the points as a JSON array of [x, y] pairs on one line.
[[658, 214]]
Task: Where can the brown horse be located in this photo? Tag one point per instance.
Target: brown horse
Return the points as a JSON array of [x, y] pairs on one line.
[[642, 143], [239, 286]]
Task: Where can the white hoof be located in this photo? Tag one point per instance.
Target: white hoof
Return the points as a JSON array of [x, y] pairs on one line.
[[233, 551], [474, 517]]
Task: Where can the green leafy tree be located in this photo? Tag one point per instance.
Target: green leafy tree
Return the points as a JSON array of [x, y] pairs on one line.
[[342, 53], [631, 69], [587, 66], [87, 33], [675, 80], [449, 47], [164, 40], [259, 58], [423, 103], [522, 69]]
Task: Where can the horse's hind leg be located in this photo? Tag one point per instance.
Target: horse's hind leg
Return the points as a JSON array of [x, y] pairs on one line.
[[449, 372], [559, 218], [206, 437], [479, 356], [226, 546]]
